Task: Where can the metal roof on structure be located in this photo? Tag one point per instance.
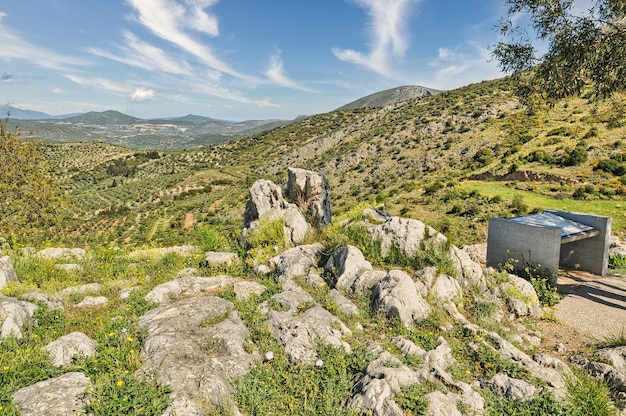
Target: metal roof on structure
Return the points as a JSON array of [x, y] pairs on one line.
[[570, 230]]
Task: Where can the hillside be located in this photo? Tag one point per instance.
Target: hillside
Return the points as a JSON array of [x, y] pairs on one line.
[[389, 97], [414, 157]]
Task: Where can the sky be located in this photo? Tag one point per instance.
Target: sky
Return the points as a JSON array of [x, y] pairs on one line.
[[236, 59]]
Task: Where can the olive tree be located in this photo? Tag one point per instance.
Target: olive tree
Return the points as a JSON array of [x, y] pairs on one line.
[[30, 199], [563, 51]]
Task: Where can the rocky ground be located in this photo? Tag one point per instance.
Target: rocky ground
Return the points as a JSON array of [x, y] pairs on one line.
[[197, 343]]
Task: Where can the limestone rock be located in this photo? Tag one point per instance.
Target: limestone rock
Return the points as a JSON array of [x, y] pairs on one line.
[[397, 295], [346, 263], [266, 202], [345, 305], [220, 258], [603, 371], [60, 396], [186, 286], [446, 288], [292, 296], [197, 361], [310, 192], [82, 289], [52, 302], [520, 296], [300, 334], [7, 272], [53, 253], [246, 288], [615, 356], [90, 301], [14, 314], [65, 349], [69, 267], [296, 261], [511, 388], [405, 234], [469, 272]]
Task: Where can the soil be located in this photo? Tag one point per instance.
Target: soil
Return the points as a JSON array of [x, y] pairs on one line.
[[593, 310]]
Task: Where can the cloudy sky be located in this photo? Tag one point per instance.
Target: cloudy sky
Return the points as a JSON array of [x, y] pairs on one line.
[[236, 59]]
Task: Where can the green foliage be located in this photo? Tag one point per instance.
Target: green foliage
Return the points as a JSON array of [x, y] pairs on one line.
[[411, 399], [617, 262], [31, 198], [544, 404], [542, 278], [589, 396], [210, 239], [583, 49]]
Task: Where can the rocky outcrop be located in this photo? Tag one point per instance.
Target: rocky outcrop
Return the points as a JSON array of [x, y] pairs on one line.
[[310, 192], [520, 296], [7, 272], [55, 253], [295, 261], [60, 396], [187, 286], [397, 296], [196, 346], [405, 234], [91, 301], [300, 334], [266, 202], [219, 258], [511, 388], [352, 272], [69, 347], [156, 253], [246, 288], [14, 314]]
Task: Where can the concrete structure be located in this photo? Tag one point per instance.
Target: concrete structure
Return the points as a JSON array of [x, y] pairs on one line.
[[551, 238]]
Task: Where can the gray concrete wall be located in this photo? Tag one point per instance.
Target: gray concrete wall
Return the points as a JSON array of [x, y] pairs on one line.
[[508, 240], [590, 254]]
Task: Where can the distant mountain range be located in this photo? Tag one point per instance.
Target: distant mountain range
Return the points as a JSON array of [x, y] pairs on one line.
[[167, 133]]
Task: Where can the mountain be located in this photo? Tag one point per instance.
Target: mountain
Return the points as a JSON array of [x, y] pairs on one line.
[[103, 118], [21, 113], [390, 96]]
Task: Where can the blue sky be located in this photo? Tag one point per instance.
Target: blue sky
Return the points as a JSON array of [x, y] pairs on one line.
[[236, 59]]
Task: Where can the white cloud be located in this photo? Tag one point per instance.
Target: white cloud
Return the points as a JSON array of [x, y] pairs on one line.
[[100, 83], [141, 54], [389, 40], [14, 47], [276, 73], [142, 94], [170, 20]]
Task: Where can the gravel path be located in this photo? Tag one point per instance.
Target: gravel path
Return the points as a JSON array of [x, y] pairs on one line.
[[594, 306]]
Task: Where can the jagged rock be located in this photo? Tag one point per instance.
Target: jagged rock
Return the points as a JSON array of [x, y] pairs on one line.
[[127, 291], [295, 261], [292, 296], [156, 253], [384, 378], [187, 271], [244, 289], [195, 359], [82, 289], [408, 347], [344, 304], [445, 288], [346, 263], [508, 351], [300, 334], [511, 388], [52, 302], [53, 253], [266, 202], [314, 279], [520, 296], [310, 192], [186, 286], [90, 301], [405, 234], [616, 356], [14, 314], [220, 258], [469, 272], [376, 215], [610, 375], [365, 280], [65, 349], [397, 295], [7, 272], [60, 396], [440, 357], [553, 362]]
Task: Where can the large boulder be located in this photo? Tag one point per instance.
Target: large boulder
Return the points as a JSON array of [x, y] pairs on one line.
[[14, 314], [187, 286], [405, 234], [348, 264], [58, 396], [296, 261], [266, 202], [7, 272], [196, 346], [68, 347], [397, 296], [310, 192]]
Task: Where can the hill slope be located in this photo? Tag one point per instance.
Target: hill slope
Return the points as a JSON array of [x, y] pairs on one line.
[[413, 157], [390, 96]]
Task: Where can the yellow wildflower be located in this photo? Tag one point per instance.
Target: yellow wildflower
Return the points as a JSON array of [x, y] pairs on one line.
[[120, 383]]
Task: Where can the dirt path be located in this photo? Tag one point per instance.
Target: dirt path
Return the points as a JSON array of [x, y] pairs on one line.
[[593, 309]]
